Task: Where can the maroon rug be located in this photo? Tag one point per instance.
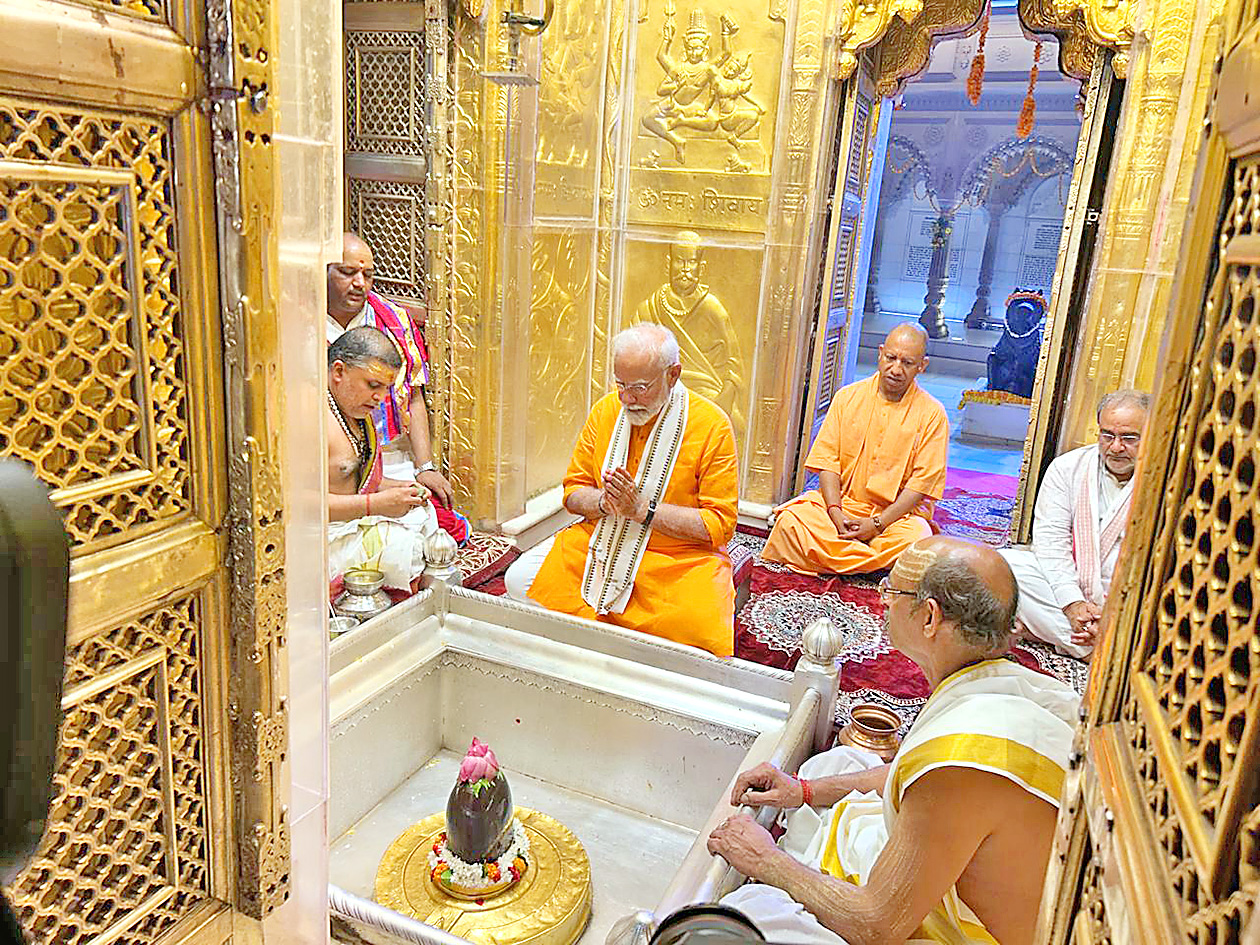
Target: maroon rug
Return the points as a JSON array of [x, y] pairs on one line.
[[781, 604]]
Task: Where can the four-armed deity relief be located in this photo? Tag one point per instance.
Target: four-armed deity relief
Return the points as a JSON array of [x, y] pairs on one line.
[[704, 95], [713, 365]]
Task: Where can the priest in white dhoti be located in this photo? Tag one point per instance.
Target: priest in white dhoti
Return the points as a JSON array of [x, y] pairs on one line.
[[1079, 519], [949, 843], [373, 522]]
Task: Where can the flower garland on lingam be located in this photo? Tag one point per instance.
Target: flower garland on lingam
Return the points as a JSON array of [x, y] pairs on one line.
[[484, 847]]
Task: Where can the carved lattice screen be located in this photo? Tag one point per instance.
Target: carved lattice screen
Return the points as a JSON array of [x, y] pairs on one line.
[[112, 390], [1163, 844]]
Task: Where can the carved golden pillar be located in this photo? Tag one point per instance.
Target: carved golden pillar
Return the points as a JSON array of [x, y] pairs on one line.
[[1148, 196]]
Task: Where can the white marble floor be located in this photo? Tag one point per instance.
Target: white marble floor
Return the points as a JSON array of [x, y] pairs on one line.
[[633, 857]]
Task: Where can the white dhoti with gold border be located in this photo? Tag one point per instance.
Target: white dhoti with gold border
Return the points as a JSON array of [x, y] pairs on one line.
[[994, 716]]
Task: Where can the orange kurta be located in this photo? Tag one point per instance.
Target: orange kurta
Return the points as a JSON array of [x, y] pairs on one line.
[[878, 448], [683, 590]]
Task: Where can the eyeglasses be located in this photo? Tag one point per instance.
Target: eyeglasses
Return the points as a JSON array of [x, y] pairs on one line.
[[885, 591], [1106, 438], [637, 390]]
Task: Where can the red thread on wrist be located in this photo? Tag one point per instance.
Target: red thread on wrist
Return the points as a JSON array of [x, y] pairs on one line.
[[807, 792], [367, 503]]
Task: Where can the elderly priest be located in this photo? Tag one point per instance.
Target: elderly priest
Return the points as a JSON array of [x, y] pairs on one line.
[[654, 478], [1081, 513], [951, 841], [880, 456], [373, 522]]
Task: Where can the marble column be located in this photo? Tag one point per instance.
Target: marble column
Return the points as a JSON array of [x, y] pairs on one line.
[[980, 308], [932, 318], [871, 306]]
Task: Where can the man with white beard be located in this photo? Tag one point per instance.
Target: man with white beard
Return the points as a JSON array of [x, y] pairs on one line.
[[655, 478]]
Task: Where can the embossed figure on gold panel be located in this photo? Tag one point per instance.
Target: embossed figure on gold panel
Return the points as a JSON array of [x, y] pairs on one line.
[[713, 364], [703, 94]]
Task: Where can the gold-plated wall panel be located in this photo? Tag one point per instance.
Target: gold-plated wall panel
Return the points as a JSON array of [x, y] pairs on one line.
[[1146, 205], [703, 116], [570, 108], [92, 350], [129, 831], [715, 327], [559, 346]]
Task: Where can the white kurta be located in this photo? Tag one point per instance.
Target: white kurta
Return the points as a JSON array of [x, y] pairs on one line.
[[1046, 570]]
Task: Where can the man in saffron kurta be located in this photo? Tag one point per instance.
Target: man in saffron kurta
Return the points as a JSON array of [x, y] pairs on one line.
[[682, 588], [880, 457]]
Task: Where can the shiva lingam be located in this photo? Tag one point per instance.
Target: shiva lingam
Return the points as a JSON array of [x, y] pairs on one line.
[[363, 598], [873, 728], [486, 870]]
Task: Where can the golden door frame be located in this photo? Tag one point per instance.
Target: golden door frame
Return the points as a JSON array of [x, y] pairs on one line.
[[144, 131], [473, 272]]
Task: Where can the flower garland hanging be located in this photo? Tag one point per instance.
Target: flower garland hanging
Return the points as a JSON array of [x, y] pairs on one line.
[[1028, 113], [975, 78]]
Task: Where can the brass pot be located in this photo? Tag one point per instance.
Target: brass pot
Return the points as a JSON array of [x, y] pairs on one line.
[[873, 728]]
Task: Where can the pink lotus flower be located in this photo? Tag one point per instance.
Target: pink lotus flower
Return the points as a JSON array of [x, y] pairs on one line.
[[478, 763]]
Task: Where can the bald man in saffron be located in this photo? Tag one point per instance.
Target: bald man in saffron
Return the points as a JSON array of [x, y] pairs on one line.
[[880, 457]]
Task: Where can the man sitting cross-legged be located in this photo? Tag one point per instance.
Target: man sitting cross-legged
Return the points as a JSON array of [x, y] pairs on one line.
[[654, 478], [402, 418], [373, 522], [1080, 517], [956, 848], [880, 459]]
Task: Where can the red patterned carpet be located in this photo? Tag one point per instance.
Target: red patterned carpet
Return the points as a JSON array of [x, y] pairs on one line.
[[781, 604]]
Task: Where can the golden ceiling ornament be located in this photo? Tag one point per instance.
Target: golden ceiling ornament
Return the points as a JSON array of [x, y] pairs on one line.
[[864, 23], [549, 906], [474, 8], [1082, 27]]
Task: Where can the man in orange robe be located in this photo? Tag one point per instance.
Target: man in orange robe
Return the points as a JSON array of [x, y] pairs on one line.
[[679, 585], [880, 457]]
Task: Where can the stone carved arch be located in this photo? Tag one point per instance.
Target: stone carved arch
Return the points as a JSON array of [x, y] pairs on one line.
[[904, 153], [1044, 158], [906, 29]]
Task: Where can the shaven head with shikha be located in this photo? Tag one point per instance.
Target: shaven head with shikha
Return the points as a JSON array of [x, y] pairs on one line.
[[901, 358], [362, 364], [949, 603], [646, 366]]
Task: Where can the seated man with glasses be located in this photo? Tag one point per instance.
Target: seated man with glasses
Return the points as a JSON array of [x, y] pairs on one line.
[[655, 479], [880, 458], [1081, 514], [950, 842]]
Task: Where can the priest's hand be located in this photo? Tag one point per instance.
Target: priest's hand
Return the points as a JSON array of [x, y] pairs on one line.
[[397, 501], [766, 784], [438, 485], [1083, 616], [623, 496], [743, 843], [844, 523]]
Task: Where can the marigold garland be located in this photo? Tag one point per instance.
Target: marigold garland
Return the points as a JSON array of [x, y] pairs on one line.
[[1028, 113], [975, 78], [993, 398]]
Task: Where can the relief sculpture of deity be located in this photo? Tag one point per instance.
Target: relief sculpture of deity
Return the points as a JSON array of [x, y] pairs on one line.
[[704, 96], [713, 365]]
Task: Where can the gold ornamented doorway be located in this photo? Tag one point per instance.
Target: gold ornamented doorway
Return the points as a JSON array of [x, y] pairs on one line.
[[136, 338]]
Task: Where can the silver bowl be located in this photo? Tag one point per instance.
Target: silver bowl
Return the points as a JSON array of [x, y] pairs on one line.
[[339, 625], [363, 581]]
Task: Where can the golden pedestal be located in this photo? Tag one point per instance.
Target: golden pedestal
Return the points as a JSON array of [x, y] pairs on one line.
[[549, 906]]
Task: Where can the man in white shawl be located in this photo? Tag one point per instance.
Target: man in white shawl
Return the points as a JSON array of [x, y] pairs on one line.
[[1080, 517], [655, 479], [951, 841]]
